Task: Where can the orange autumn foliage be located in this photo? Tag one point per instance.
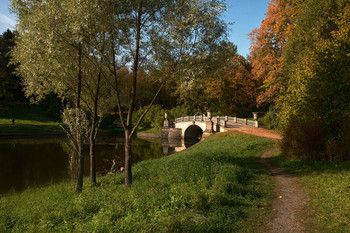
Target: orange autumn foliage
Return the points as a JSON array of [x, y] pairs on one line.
[[266, 47], [232, 88]]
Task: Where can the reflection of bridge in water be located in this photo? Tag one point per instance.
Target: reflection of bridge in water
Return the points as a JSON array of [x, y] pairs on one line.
[[177, 144]]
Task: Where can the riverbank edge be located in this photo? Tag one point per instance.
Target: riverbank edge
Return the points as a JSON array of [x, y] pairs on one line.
[[148, 135]]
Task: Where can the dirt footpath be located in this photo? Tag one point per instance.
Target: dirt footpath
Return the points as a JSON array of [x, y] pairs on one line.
[[290, 201], [252, 130]]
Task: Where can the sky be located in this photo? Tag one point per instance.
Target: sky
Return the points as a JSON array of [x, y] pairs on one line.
[[244, 14]]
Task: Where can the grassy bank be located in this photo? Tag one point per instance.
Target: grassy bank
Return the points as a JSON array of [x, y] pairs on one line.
[[149, 130], [217, 186], [328, 186], [28, 118]]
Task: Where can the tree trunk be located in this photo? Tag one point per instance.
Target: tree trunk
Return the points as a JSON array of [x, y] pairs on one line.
[[79, 137], [128, 136], [128, 173], [93, 132], [92, 151]]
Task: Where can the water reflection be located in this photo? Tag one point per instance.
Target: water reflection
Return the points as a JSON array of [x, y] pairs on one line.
[[26, 162]]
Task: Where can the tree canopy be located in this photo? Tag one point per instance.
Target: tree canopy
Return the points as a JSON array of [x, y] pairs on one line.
[[10, 87]]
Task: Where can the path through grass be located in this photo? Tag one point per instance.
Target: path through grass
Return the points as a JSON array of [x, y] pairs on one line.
[[328, 186]]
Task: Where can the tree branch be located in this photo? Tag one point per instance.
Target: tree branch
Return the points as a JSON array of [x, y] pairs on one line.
[[148, 108]]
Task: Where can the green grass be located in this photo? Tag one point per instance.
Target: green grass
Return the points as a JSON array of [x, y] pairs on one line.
[[29, 118], [328, 187], [217, 186], [149, 130]]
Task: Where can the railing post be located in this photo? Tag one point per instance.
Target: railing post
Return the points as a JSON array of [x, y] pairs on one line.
[[217, 124], [235, 119], [257, 124], [225, 122], [245, 121], [201, 117], [211, 130]]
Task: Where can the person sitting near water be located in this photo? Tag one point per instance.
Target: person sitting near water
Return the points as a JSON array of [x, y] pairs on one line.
[[115, 167]]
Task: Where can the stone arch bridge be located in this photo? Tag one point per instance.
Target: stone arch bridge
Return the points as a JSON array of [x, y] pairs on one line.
[[198, 126]]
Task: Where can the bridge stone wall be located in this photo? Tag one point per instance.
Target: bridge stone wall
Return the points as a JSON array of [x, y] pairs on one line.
[[184, 125], [171, 133]]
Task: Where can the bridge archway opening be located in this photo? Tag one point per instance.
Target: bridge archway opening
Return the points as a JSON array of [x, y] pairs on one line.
[[192, 135]]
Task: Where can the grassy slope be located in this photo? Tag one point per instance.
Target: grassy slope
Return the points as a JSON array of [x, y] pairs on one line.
[[328, 186], [149, 130], [217, 186], [29, 118]]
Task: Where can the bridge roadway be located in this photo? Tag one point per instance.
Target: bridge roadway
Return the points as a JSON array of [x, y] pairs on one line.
[[252, 131]]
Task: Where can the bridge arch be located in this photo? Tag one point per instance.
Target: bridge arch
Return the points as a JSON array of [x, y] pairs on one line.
[[185, 125], [193, 131]]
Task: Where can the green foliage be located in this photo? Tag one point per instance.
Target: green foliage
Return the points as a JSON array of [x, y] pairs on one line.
[[153, 119], [318, 75], [217, 186], [327, 186], [316, 61], [76, 125], [10, 88], [155, 116], [195, 89], [179, 110], [52, 105], [271, 119]]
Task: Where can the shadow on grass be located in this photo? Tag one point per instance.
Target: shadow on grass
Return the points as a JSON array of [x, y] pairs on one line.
[[305, 167]]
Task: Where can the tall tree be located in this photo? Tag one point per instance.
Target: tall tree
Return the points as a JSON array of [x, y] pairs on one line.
[[231, 89], [10, 87], [315, 61], [162, 37], [56, 53], [316, 96], [267, 43], [192, 85]]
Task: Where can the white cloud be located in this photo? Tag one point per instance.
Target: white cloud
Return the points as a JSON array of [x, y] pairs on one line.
[[7, 22]]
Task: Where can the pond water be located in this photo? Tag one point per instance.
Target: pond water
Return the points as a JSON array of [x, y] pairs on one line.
[[32, 161]]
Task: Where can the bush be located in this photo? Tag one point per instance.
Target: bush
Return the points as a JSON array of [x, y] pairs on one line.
[[318, 140], [305, 140], [271, 120], [338, 146]]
